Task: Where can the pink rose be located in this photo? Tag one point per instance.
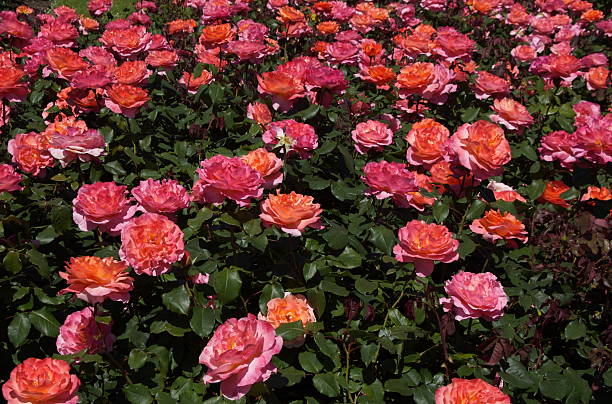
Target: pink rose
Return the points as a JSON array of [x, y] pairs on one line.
[[488, 84], [474, 296], [268, 165], [371, 135], [586, 113], [151, 243], [474, 391], [292, 136], [224, 177], [102, 205], [512, 114], [422, 244], [561, 146], [596, 140], [239, 355], [504, 192], [9, 179], [99, 7], [164, 197], [85, 145], [389, 180], [81, 332]]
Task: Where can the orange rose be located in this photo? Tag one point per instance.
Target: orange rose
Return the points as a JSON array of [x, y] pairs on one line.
[[445, 173], [65, 62], [192, 83], [289, 15], [552, 194], [84, 100], [41, 381], [132, 72], [427, 140], [289, 309], [126, 99], [597, 77], [499, 226], [371, 48], [30, 152], [292, 213], [328, 27], [512, 114], [415, 77], [181, 26], [601, 194], [162, 58], [260, 113], [268, 165], [88, 24], [475, 391], [12, 87], [214, 35], [24, 10], [378, 75], [282, 86], [483, 6], [592, 15]]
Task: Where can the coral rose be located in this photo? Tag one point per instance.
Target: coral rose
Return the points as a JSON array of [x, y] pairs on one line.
[[126, 99], [495, 225], [85, 145], [474, 296], [164, 197], [288, 309], [129, 42], [41, 381], [488, 85], [99, 7], [151, 243], [292, 213], [12, 86], [389, 180], [482, 148], [601, 194], [224, 177], [371, 135], [282, 87], [30, 151], [81, 332], [427, 140], [9, 179], [214, 35], [102, 205], [474, 391], [292, 136], [181, 26], [259, 112], [378, 75], [96, 279], [239, 355], [504, 193], [132, 72], [193, 83], [512, 114], [597, 78], [552, 194], [268, 165], [65, 62], [422, 244]]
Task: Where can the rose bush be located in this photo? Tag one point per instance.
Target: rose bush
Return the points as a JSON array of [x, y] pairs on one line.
[[300, 201]]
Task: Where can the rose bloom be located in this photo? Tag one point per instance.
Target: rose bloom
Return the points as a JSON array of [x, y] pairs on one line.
[[592, 15], [595, 140], [378, 75], [292, 213], [181, 26], [85, 145], [96, 279], [456, 177], [92, 77], [42, 381], [292, 136], [552, 194], [282, 87], [214, 35], [162, 58], [504, 193], [474, 391], [132, 72], [125, 99], [523, 53], [128, 42], [499, 226], [30, 151], [60, 31], [371, 135], [10, 24], [561, 146], [81, 332], [416, 199], [164, 197], [288, 309], [512, 114], [451, 45], [239, 355], [151, 243], [488, 84], [9, 179], [224, 177], [102, 205], [328, 27], [268, 165], [432, 82], [65, 62], [597, 78], [192, 83], [259, 112], [474, 295], [482, 148], [422, 244], [601, 194], [99, 7], [389, 180], [427, 140], [12, 86]]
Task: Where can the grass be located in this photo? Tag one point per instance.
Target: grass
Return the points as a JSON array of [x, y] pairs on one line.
[[121, 8]]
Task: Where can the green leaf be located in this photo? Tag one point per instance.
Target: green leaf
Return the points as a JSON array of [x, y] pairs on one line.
[[332, 287], [290, 331], [45, 322], [469, 114], [177, 300], [369, 352], [309, 362], [326, 384], [365, 286], [137, 358], [336, 237], [227, 284], [138, 394], [260, 242], [575, 330], [383, 238], [114, 167], [440, 211], [327, 347], [535, 189], [343, 192], [40, 261], [202, 321], [215, 91], [475, 210], [516, 375], [12, 262], [252, 227], [18, 329], [571, 193], [348, 259], [269, 292], [466, 247]]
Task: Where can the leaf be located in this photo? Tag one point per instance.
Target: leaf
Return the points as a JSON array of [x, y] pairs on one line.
[[177, 300], [475, 210], [440, 211], [575, 330], [309, 362], [466, 247], [326, 384], [138, 394], [269, 292], [383, 238], [290, 331], [469, 114], [516, 375], [137, 358], [202, 321], [12, 262], [45, 322], [369, 352], [343, 192], [535, 189], [18, 329], [348, 259], [40, 261], [227, 284], [327, 347], [571, 193], [365, 286], [332, 287], [215, 91], [336, 237], [260, 242]]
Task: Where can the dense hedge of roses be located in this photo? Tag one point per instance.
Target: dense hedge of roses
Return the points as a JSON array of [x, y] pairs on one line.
[[301, 201]]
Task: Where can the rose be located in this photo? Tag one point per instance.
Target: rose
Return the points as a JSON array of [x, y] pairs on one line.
[[151, 243], [474, 391], [41, 381], [12, 86], [371, 135], [164, 197], [474, 295], [193, 83], [96, 279], [268, 165], [259, 112], [292, 213], [223, 177], [504, 192], [216, 34], [283, 88], [81, 332], [422, 244], [239, 355], [385, 180], [65, 62], [427, 140], [287, 309], [102, 205], [128, 42], [85, 145], [30, 151], [513, 115], [495, 225], [552, 193], [9, 179], [125, 99], [133, 72], [292, 136], [488, 84]]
